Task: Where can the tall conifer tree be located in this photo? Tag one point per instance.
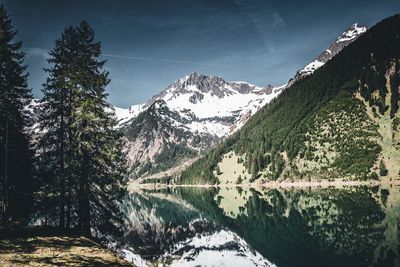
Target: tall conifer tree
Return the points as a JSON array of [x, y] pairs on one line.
[[15, 156], [80, 147]]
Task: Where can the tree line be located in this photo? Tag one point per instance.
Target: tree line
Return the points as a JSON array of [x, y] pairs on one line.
[[70, 172]]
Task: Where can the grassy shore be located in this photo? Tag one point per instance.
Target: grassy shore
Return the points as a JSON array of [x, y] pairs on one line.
[[337, 183], [49, 247]]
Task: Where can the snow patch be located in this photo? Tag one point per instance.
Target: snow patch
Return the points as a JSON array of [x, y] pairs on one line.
[[134, 258], [310, 68], [125, 114], [354, 31], [210, 127], [213, 106]]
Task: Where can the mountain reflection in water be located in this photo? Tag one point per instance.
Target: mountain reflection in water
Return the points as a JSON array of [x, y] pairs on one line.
[[355, 226]]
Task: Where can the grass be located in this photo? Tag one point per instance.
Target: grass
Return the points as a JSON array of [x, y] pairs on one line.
[[50, 247], [231, 169], [390, 154]]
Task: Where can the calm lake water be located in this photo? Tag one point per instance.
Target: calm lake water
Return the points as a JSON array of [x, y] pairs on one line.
[[357, 226]]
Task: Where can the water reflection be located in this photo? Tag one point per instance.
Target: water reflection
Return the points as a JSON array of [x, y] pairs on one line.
[[355, 226]]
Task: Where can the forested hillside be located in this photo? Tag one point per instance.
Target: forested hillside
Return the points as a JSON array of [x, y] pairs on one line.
[[342, 121]]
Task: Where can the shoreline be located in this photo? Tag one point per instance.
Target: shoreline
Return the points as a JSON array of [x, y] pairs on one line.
[[337, 183]]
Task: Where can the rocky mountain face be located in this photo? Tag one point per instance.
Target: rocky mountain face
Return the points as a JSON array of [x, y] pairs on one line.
[[346, 38], [189, 116]]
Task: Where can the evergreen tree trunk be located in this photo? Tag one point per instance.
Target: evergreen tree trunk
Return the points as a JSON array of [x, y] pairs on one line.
[[85, 196], [62, 165], [70, 159], [5, 183], [46, 209]]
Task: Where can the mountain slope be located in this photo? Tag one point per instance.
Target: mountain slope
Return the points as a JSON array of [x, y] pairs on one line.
[[342, 120]]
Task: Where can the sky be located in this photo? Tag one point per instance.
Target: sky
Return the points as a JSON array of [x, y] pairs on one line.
[[149, 44]]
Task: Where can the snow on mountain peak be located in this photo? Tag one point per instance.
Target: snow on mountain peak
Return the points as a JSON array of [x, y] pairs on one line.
[[211, 94], [208, 104], [201, 83]]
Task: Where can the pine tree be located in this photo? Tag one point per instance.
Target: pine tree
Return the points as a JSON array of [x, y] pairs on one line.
[[15, 156], [218, 170], [239, 180], [383, 171], [102, 162], [80, 143], [56, 128]]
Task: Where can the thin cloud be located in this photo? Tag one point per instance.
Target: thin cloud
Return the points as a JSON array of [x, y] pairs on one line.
[[157, 59], [264, 18], [36, 51], [278, 21]]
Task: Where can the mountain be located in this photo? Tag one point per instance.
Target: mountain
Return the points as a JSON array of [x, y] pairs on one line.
[[346, 38], [341, 121], [193, 114], [208, 104], [189, 116], [198, 111]]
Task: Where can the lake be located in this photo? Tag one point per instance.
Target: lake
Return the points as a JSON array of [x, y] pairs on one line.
[[351, 226]]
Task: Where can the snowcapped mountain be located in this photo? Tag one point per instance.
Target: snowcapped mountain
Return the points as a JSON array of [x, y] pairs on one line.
[[207, 104], [189, 116], [347, 37]]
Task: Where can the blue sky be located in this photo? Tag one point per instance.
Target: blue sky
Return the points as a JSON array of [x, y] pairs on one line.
[[151, 43]]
